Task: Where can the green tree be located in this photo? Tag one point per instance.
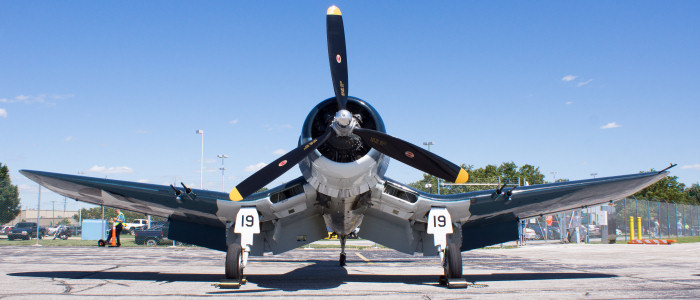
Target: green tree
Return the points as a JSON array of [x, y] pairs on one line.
[[667, 189], [694, 193], [507, 172], [9, 197]]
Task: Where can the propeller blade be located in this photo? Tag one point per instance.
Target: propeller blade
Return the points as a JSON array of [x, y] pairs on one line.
[[276, 168], [413, 155], [337, 56]]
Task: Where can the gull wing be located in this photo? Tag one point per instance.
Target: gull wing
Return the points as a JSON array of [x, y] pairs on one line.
[[288, 218], [398, 214]]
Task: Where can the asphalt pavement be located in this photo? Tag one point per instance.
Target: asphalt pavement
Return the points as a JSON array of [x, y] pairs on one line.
[[535, 271]]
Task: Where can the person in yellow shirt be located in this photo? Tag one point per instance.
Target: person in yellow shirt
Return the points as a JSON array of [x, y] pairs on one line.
[[118, 225]]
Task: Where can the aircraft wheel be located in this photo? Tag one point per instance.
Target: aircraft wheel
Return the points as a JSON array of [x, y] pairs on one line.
[[233, 262], [342, 259], [453, 264]]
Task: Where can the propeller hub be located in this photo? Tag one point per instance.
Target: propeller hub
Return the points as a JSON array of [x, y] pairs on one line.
[[344, 123]]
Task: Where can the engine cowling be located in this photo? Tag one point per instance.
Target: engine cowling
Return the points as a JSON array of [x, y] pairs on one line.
[[344, 166]]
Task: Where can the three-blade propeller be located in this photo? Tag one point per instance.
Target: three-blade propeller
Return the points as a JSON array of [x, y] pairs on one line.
[[395, 148]]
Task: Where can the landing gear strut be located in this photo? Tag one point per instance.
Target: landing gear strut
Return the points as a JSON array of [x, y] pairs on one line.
[[440, 225], [247, 224], [343, 238]]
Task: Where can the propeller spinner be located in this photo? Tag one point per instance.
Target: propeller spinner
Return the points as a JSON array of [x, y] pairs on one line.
[[345, 124]]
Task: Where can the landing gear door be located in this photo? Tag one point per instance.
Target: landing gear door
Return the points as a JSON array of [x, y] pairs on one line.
[[247, 224], [439, 225]]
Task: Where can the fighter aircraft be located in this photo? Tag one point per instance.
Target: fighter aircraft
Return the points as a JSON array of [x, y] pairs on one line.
[[343, 153]]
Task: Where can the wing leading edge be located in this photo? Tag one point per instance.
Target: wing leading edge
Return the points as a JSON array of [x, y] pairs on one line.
[[485, 218], [288, 216]]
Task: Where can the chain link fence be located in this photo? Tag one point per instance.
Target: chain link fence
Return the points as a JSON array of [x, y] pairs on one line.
[[610, 223]]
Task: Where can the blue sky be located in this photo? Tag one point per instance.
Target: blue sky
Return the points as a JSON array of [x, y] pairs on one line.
[[118, 89]]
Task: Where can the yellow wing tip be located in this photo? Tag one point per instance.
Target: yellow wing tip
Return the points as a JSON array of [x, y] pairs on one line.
[[333, 10], [235, 195], [462, 177]]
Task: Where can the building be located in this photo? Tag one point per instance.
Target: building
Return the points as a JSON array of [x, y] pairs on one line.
[[48, 217]]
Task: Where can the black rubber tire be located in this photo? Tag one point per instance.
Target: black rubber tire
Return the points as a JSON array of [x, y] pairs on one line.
[[453, 265], [151, 242], [342, 259], [233, 262], [101, 243]]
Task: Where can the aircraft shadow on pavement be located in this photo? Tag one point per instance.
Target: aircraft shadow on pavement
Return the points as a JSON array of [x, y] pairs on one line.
[[317, 276]]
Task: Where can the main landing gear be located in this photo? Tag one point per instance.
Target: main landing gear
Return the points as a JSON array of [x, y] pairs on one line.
[[439, 225], [343, 238], [247, 224]]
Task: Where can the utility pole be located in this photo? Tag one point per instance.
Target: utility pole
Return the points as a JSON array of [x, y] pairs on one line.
[[428, 144], [38, 214], [201, 161], [222, 156]]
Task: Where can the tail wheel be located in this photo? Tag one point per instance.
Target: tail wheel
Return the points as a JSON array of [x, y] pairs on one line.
[[234, 268], [453, 265]]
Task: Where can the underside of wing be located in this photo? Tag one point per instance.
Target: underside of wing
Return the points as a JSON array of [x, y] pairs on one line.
[[398, 215], [288, 217]]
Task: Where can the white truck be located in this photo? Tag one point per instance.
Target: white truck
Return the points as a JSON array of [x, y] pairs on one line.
[[137, 224]]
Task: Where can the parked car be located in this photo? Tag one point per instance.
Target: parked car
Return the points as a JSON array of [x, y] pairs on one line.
[[155, 236], [540, 231], [25, 231], [6, 229], [593, 231], [530, 234]]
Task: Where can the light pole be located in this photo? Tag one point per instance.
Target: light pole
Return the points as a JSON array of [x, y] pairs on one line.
[[222, 156], [201, 161], [428, 144], [38, 213], [554, 175], [594, 174]]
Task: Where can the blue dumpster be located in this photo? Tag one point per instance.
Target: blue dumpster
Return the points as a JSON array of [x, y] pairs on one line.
[[95, 229]]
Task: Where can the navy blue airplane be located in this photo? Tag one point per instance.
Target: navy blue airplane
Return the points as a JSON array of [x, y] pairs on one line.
[[343, 154]]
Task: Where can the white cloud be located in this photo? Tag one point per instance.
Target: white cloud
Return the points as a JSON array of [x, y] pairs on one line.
[[569, 102], [143, 181], [68, 139], [3, 113], [233, 122], [568, 78], [255, 167], [694, 167], [141, 131], [610, 125], [582, 83], [110, 170], [208, 161], [31, 99], [279, 152]]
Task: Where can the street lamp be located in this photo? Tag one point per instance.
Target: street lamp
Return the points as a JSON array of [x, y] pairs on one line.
[[554, 175], [428, 144], [594, 174], [222, 156], [201, 161], [429, 186], [38, 213]]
